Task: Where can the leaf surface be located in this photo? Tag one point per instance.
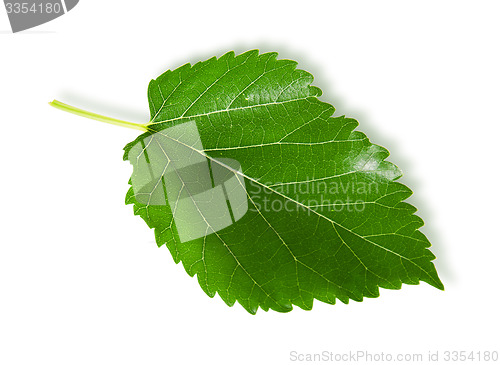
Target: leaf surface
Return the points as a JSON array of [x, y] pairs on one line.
[[326, 218]]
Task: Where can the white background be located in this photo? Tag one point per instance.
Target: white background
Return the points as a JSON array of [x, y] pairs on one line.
[[81, 278]]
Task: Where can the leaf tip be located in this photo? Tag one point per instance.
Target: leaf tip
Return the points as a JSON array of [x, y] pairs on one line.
[[439, 285]]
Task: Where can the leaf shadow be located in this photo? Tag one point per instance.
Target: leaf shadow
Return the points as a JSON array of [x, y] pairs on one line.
[[367, 126]]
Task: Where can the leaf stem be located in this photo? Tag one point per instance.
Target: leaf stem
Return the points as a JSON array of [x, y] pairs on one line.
[[83, 113]]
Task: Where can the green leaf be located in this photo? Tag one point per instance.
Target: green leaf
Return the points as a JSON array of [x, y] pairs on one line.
[[320, 213], [344, 239]]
